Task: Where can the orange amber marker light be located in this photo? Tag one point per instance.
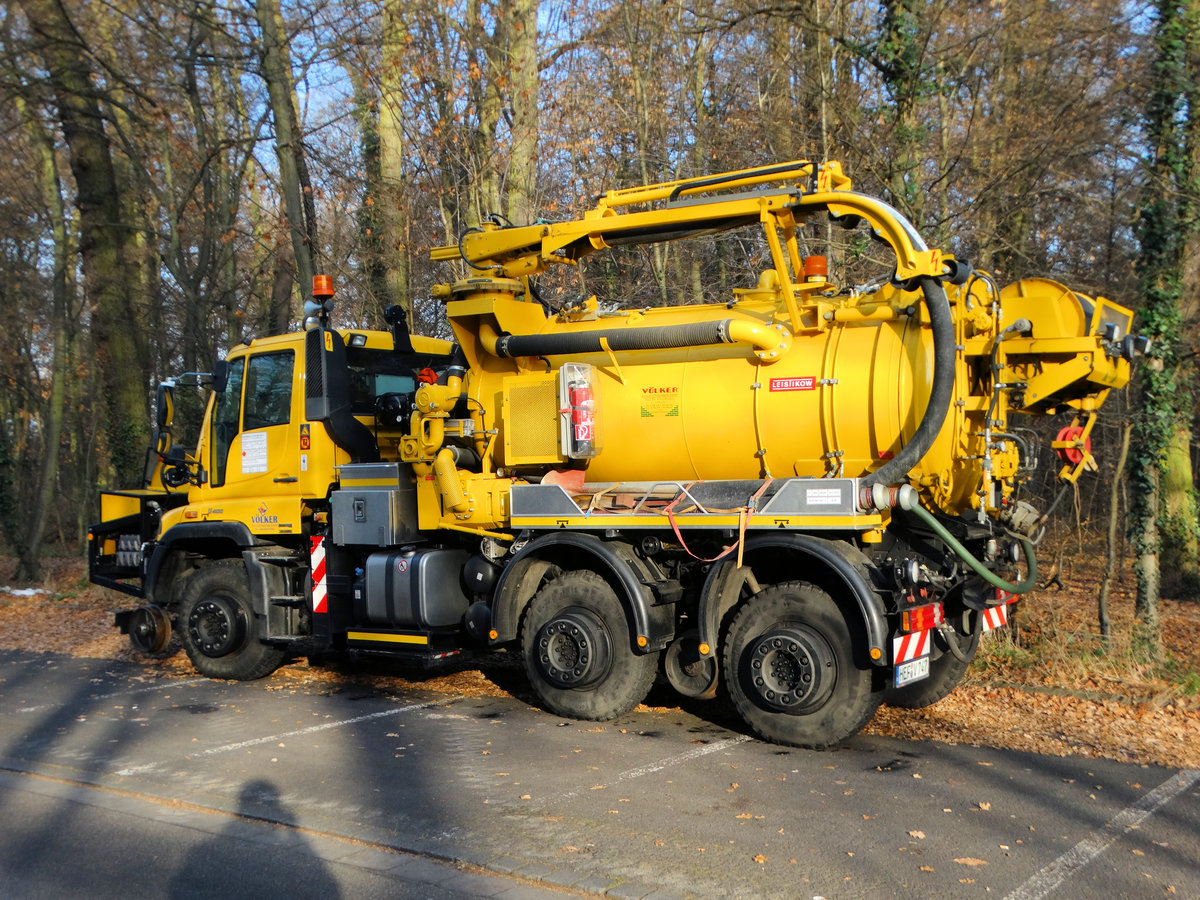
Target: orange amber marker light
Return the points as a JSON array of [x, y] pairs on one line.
[[876, 653], [493, 634], [705, 649], [322, 285], [191, 514], [642, 642], [816, 268]]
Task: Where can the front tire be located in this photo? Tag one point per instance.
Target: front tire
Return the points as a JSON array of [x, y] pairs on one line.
[[791, 670], [219, 629], [578, 650]]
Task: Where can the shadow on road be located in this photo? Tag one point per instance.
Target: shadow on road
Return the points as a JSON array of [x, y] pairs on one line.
[[205, 871]]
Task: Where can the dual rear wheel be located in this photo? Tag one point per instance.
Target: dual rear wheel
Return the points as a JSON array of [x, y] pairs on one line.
[[788, 663]]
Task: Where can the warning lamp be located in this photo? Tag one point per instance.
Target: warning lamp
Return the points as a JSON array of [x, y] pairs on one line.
[[316, 310], [816, 268]]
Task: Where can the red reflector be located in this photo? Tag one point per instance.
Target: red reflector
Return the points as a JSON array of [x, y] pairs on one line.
[[921, 618]]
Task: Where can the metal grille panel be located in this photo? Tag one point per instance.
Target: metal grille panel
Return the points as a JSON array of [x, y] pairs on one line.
[[531, 420]]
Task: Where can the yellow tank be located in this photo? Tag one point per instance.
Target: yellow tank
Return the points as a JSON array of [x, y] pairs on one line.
[[840, 396], [911, 382]]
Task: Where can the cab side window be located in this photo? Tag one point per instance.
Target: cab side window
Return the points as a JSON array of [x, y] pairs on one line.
[[268, 390]]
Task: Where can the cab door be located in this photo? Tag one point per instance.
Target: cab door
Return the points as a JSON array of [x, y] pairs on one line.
[[260, 443]]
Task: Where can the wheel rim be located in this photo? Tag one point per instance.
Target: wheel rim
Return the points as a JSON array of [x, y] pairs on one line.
[[791, 669], [149, 629], [216, 626], [573, 649]]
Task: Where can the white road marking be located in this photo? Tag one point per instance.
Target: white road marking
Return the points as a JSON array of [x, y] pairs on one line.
[[162, 686], [651, 768], [1049, 878], [276, 738]]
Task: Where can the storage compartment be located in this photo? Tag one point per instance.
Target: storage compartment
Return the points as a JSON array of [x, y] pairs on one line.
[[414, 589], [375, 505]]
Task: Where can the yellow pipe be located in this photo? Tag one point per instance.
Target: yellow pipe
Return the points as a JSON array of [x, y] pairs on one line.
[[769, 343], [445, 473], [855, 314]]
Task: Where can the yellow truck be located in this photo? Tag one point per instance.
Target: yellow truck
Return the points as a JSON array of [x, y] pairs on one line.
[[807, 498]]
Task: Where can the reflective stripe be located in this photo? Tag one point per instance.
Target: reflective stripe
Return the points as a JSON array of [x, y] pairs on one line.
[[316, 556], [994, 617], [907, 647]]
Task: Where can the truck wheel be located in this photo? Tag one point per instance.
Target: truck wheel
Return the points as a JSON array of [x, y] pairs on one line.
[[219, 629], [578, 651], [945, 671], [790, 669]]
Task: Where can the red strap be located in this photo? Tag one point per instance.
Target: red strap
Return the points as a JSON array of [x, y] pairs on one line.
[[743, 519]]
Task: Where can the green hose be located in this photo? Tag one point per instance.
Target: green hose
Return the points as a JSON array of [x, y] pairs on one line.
[[909, 502]]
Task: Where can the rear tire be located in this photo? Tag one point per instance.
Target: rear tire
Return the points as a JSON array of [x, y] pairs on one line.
[[219, 629], [791, 670], [578, 650]]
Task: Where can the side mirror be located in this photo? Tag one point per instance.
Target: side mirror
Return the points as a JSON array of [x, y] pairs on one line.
[[165, 406], [220, 375]]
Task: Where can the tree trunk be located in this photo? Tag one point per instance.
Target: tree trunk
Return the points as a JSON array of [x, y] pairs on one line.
[[1114, 519], [107, 244], [391, 193], [289, 149], [1178, 524], [29, 566], [1146, 637], [523, 98]]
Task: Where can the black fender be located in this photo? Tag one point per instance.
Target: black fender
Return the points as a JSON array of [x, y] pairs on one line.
[[211, 540], [847, 566], [652, 627]]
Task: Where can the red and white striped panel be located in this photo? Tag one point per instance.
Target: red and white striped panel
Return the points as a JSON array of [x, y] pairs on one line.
[[907, 647], [994, 617], [316, 556]]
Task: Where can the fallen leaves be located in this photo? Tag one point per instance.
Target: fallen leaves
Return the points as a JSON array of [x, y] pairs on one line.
[[970, 861], [1113, 720]]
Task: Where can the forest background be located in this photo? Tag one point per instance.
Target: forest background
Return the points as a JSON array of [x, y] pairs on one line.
[[175, 172]]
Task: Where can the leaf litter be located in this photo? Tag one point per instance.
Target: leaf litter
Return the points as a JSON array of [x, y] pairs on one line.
[[1055, 711]]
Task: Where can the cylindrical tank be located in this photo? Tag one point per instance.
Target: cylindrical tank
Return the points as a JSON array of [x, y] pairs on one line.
[[839, 401], [698, 393]]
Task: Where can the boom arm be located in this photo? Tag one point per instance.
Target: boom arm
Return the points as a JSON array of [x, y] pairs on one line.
[[679, 213]]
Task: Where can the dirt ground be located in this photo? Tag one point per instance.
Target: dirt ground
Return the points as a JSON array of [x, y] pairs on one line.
[[1051, 690]]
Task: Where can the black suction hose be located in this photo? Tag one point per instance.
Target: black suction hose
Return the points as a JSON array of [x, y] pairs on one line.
[[942, 323]]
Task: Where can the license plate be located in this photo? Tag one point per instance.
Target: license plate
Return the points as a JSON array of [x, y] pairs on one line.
[[913, 670]]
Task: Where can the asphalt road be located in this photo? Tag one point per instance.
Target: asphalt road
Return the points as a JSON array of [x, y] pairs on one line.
[[115, 783]]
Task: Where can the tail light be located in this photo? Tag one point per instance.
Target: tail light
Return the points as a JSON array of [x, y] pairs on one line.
[[922, 618]]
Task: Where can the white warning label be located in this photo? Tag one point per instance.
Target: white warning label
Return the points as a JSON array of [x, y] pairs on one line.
[[254, 452], [823, 496]]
